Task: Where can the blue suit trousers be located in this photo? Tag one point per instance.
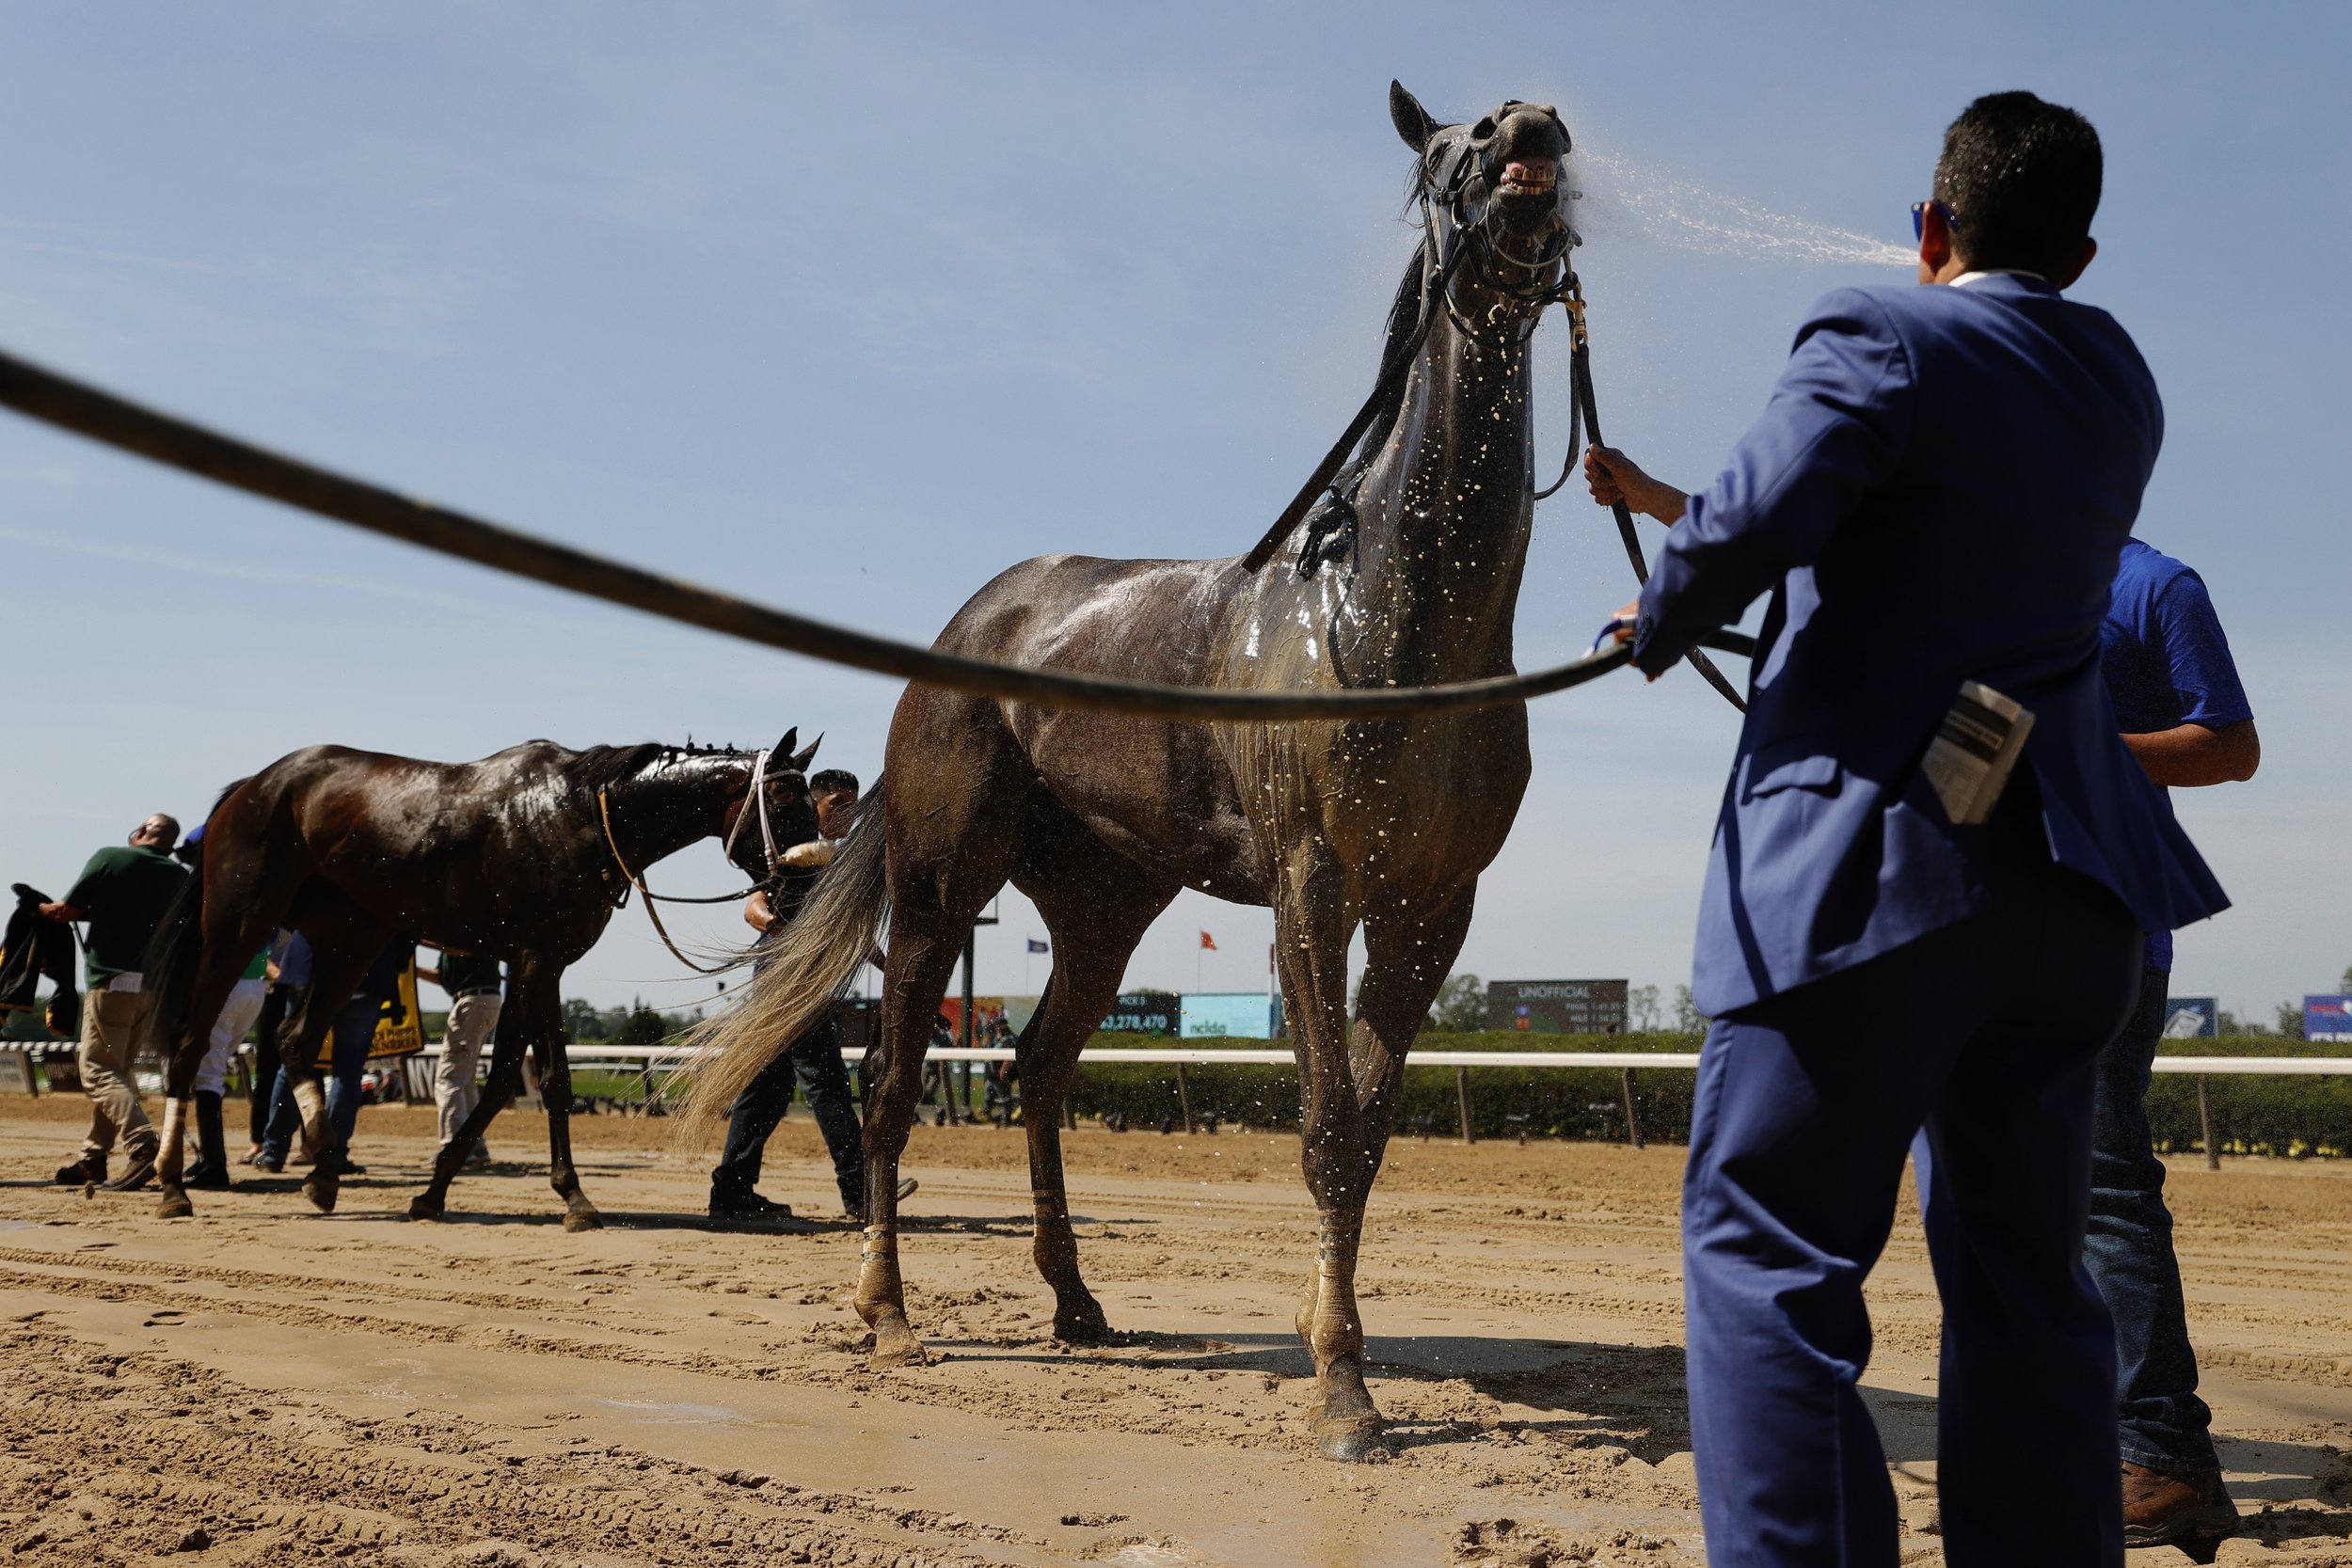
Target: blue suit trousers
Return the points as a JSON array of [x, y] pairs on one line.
[[1983, 1035]]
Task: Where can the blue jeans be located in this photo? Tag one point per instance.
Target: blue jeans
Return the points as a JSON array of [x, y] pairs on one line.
[[815, 1061], [1983, 1035], [353, 1034], [2129, 1250]]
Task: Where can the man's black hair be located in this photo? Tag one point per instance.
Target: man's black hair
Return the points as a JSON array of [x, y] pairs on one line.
[[833, 781], [2021, 178]]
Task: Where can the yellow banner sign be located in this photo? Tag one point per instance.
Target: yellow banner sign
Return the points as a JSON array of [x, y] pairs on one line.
[[403, 1039]]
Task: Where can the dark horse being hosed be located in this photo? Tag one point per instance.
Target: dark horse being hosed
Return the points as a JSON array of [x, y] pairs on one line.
[[1102, 819], [523, 855]]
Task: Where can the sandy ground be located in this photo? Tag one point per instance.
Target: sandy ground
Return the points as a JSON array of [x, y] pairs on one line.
[[264, 1385]]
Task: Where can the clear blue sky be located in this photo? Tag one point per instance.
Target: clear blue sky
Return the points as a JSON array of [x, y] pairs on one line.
[[849, 309]]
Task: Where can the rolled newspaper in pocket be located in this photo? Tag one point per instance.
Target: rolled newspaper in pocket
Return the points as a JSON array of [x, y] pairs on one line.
[[813, 856], [1975, 751]]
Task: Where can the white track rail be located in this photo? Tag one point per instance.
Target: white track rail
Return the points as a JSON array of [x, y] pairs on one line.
[[670, 1057]]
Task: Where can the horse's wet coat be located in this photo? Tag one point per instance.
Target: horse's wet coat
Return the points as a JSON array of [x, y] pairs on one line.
[[1102, 819], [507, 856]]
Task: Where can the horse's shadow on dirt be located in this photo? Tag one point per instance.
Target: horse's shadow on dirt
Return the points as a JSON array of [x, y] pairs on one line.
[[1626, 1395], [394, 1191]]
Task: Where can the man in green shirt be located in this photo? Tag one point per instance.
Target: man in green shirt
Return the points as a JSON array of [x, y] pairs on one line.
[[123, 894]]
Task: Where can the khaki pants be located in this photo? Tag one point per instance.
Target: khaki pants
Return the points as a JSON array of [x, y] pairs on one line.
[[110, 1027], [236, 1016], [456, 1088]]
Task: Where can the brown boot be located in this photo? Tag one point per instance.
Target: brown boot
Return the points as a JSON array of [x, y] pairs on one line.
[[2161, 1509], [142, 1170], [89, 1168]]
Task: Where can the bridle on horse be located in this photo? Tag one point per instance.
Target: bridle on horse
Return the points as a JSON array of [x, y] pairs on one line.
[[1445, 185], [754, 799], [757, 798]]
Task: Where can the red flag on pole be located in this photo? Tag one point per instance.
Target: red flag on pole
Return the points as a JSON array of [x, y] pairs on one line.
[[1208, 942]]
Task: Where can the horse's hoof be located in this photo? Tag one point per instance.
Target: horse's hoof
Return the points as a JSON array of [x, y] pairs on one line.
[[582, 1219], [1354, 1440], [1085, 1325], [424, 1206], [895, 1345], [175, 1205], [321, 1191]]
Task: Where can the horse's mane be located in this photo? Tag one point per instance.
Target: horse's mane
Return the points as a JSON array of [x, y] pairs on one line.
[[1405, 314], [604, 766]]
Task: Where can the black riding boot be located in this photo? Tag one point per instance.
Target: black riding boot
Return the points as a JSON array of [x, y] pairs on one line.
[[211, 1170]]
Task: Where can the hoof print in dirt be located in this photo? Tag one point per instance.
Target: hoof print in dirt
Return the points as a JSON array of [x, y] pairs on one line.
[[495, 1554], [1509, 1544]]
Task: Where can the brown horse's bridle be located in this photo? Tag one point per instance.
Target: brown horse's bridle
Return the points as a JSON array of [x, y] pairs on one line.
[[1444, 185], [755, 800]]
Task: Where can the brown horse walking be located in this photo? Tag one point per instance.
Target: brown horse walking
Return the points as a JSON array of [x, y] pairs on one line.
[[1101, 820], [523, 855]]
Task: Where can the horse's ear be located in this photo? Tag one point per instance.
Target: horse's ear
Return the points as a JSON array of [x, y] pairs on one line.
[[1413, 122], [800, 763], [791, 737]]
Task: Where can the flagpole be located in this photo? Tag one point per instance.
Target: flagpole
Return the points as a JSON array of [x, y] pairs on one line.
[[1273, 993]]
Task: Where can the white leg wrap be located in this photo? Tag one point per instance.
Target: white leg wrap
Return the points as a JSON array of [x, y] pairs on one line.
[[312, 1100], [169, 1158]]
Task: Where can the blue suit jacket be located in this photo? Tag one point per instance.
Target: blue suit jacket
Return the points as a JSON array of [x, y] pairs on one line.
[[1936, 492]]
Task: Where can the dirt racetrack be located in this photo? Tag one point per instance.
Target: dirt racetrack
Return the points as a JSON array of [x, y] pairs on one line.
[[265, 1384]]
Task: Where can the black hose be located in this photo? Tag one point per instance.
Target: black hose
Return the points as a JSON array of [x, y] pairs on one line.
[[101, 416]]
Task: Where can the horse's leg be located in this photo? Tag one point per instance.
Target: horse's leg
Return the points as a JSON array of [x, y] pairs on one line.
[[1348, 1118], [237, 916], [923, 952], [1097, 904], [505, 1082], [1314, 919], [340, 955], [953, 815], [555, 1091], [219, 967], [1408, 953]]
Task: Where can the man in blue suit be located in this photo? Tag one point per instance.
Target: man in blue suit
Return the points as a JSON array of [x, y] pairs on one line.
[[1935, 494]]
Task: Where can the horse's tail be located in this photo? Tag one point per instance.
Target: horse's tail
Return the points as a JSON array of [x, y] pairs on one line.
[[804, 970], [175, 950], [173, 953]]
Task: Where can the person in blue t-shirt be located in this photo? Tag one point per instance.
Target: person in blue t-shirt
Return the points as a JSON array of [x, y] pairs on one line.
[[2184, 715]]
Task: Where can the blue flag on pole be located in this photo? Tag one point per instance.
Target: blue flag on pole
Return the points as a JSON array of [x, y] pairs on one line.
[[1035, 947]]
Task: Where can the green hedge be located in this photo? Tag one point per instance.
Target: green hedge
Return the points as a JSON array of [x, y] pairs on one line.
[[2252, 1114], [1505, 1102], [2294, 1117], [2289, 1116]]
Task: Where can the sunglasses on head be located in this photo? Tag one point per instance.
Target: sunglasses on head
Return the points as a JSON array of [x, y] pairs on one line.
[[1919, 219]]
